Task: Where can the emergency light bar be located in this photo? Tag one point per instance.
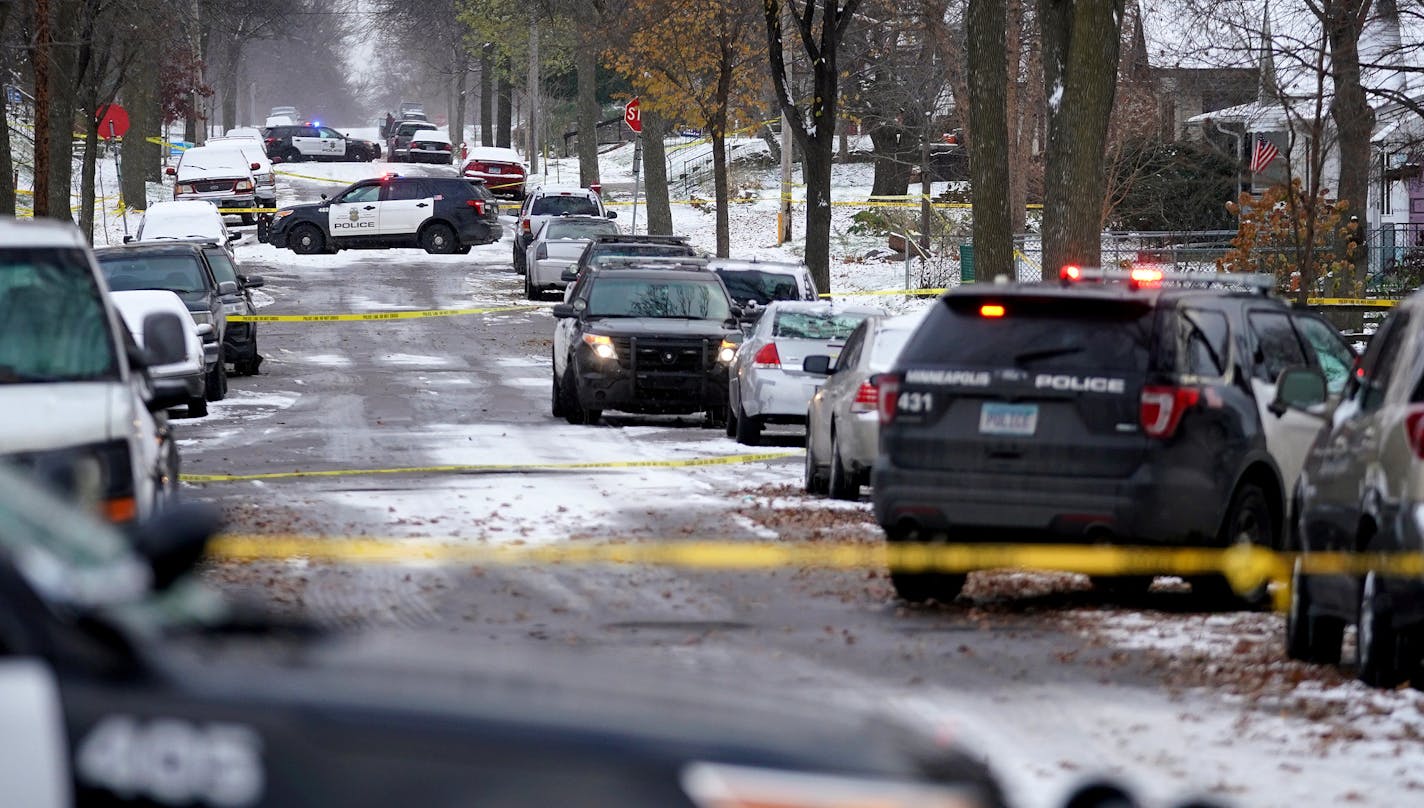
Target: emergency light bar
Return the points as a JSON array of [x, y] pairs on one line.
[[1140, 277]]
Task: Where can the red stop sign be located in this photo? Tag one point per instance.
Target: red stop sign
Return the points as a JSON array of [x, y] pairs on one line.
[[633, 117], [113, 121]]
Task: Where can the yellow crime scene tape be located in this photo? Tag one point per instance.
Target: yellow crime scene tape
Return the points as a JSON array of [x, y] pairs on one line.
[[723, 460], [1245, 567], [375, 315]]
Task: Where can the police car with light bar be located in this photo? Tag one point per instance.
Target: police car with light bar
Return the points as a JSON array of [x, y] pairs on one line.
[[440, 215], [1135, 407]]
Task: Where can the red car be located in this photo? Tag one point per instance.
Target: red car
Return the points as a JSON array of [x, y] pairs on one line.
[[502, 170]]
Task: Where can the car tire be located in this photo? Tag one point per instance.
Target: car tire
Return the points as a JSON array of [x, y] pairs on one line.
[[1379, 643], [1310, 638], [217, 381], [717, 416], [306, 239], [748, 428], [516, 258], [731, 424], [438, 238], [1122, 587], [918, 587], [814, 481], [248, 218], [574, 413], [530, 293], [291, 156], [842, 483], [197, 406], [1248, 521], [556, 397]]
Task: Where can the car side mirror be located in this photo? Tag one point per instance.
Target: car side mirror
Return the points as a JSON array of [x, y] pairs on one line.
[[564, 311], [323, 197], [568, 276], [255, 166], [227, 288], [174, 541], [231, 237], [1300, 388], [167, 394], [817, 365], [128, 239], [171, 171], [164, 342], [252, 281], [737, 312], [613, 214]]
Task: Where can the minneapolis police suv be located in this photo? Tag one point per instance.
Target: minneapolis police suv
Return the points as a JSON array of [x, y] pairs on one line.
[[1135, 408], [437, 214]]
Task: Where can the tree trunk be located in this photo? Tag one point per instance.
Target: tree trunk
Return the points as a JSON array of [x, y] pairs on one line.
[[486, 96], [894, 156], [1353, 116], [1017, 109], [842, 142], [457, 120], [231, 81], [1080, 56], [773, 143], [140, 99], [40, 60], [988, 123], [817, 172], [720, 188], [655, 174], [531, 92], [86, 179], [7, 164], [586, 62], [63, 92], [504, 121]]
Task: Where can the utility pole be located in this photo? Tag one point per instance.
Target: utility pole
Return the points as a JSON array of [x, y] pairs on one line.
[[925, 186], [532, 140], [783, 216]]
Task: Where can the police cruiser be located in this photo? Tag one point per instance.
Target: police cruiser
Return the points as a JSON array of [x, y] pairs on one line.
[[440, 215]]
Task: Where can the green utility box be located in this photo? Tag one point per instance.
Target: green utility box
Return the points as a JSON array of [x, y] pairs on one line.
[[966, 263]]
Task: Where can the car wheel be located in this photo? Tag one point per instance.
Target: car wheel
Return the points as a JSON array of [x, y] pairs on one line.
[[843, 484], [573, 413], [731, 422], [530, 293], [197, 407], [717, 415], [438, 239], [306, 240], [217, 381], [748, 428], [248, 218], [516, 258], [1121, 587], [556, 398], [815, 482], [291, 156], [1310, 638], [1378, 641], [918, 587], [1248, 522]]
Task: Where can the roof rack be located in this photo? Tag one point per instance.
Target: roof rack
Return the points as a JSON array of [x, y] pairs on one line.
[[1147, 278], [628, 238], [653, 262]]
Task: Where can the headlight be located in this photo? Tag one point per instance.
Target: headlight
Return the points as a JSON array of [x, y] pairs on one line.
[[243, 185], [727, 352], [202, 317], [234, 308], [602, 346], [183, 188], [714, 785], [282, 214]]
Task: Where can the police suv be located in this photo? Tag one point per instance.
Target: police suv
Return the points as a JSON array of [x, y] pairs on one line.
[[437, 214], [1123, 408], [292, 144]]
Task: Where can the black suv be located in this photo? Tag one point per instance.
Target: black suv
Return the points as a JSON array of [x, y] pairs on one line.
[[181, 267], [643, 340], [437, 214], [292, 144], [1134, 412]]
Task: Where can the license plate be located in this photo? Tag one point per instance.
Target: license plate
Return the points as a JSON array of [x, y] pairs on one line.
[[495, 170], [1008, 419]]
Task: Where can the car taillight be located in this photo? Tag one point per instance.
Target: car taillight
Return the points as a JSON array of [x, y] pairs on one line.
[[269, 141], [1163, 408], [541, 253], [527, 228], [867, 397], [1414, 430], [767, 357], [477, 204], [475, 167], [889, 391]]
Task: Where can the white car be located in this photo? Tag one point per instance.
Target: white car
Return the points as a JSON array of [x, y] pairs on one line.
[[252, 149], [183, 220], [243, 132], [546, 202], [557, 247], [75, 407], [430, 146], [768, 384], [221, 176], [280, 120], [187, 375]]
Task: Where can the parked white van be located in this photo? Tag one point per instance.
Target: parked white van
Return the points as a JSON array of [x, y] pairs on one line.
[[77, 408]]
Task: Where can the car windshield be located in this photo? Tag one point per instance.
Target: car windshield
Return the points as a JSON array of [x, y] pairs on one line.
[[601, 253], [158, 225], [757, 286], [564, 205], [53, 325], [557, 229], [815, 325], [221, 265], [637, 297], [177, 273]]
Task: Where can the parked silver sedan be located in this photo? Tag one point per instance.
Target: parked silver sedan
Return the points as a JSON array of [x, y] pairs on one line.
[[557, 247], [768, 384], [843, 422]]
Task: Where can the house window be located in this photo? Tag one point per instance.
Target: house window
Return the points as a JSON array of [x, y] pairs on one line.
[[1386, 186]]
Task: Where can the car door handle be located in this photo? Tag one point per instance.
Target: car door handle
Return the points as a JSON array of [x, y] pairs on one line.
[[421, 205], [369, 207]]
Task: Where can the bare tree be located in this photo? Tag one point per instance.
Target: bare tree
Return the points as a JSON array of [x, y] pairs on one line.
[[986, 23]]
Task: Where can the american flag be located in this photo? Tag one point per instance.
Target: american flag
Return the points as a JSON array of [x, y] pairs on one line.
[[1264, 153]]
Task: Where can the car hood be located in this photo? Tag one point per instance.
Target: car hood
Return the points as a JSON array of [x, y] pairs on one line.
[[37, 417], [216, 173], [659, 326]]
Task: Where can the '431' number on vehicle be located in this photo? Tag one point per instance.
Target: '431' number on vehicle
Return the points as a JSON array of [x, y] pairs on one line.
[[916, 403], [174, 762]]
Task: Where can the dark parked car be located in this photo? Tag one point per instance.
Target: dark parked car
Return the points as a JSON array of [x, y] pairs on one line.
[[1132, 410], [436, 214]]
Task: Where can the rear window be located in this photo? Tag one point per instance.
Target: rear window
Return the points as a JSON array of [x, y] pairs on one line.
[[603, 251], [581, 229], [814, 325], [1035, 334], [53, 326], [760, 287], [561, 205], [886, 348], [176, 273], [638, 297]]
